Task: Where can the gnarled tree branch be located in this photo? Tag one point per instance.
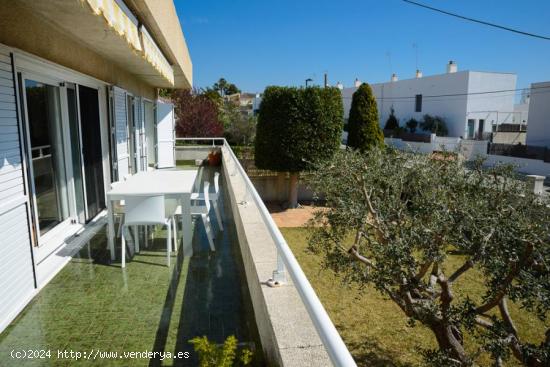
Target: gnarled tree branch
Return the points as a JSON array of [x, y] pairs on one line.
[[353, 252], [503, 307], [464, 268], [423, 270], [514, 271]]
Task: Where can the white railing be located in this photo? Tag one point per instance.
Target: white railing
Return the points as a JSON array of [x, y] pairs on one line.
[[286, 262]]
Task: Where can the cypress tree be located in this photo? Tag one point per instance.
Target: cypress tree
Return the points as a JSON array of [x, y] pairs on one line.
[[364, 131], [392, 123]]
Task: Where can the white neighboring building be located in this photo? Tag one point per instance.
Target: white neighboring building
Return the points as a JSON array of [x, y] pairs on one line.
[[538, 131], [521, 109], [463, 99], [256, 103]]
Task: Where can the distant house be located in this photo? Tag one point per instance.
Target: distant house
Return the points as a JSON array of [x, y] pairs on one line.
[[538, 133], [79, 110], [465, 99], [247, 102], [521, 109]]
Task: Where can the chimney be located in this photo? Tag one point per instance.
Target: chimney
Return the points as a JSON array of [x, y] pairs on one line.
[[357, 83], [418, 74], [339, 85], [394, 77], [451, 67]]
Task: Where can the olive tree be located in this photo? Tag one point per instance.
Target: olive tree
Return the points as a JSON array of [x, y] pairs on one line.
[[393, 220]]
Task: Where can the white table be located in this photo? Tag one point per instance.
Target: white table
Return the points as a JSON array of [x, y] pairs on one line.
[[176, 184]]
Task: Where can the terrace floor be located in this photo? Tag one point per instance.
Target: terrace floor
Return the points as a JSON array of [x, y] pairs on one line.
[[94, 305]]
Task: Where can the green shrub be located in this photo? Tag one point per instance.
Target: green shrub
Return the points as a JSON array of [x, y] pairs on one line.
[[392, 123], [412, 124], [213, 355], [435, 125], [298, 127], [364, 131]]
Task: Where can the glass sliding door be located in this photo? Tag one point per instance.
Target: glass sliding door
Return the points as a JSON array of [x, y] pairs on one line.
[[49, 181], [88, 99], [76, 151]]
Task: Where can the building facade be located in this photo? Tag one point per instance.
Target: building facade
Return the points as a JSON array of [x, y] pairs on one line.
[[538, 131], [248, 103], [465, 99], [78, 110]]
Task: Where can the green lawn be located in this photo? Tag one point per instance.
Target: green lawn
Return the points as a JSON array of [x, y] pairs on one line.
[[373, 327]]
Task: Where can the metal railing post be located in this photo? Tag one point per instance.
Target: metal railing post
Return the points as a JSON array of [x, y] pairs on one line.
[[279, 275]]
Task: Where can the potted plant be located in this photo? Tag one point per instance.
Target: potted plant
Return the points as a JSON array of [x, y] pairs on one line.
[[215, 157]]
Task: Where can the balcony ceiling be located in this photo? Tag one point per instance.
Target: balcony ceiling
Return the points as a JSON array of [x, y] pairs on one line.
[[162, 22], [77, 19]]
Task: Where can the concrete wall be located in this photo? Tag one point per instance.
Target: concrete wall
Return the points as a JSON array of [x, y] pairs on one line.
[[437, 144], [527, 166], [270, 189], [509, 137], [454, 109], [538, 130], [471, 149], [287, 333], [25, 30], [192, 152]]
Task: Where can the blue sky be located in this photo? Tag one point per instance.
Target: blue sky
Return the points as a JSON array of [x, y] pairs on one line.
[[283, 42]]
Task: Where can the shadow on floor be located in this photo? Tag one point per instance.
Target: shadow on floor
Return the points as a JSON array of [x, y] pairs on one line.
[[92, 303]]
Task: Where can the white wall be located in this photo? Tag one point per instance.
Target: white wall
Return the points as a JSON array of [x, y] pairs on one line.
[[437, 144], [471, 149], [521, 113], [17, 281], [494, 108], [538, 130], [524, 165], [454, 109]]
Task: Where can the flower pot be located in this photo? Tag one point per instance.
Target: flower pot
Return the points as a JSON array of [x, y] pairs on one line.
[[214, 158]]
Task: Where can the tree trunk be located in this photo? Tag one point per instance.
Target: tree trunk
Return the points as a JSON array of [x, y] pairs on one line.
[[293, 190], [281, 188], [449, 340]]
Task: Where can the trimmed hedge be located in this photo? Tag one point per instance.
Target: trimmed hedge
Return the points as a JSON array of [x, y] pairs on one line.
[[364, 131], [298, 127]]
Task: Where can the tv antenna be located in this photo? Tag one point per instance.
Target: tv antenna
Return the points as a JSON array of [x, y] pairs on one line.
[[415, 46]]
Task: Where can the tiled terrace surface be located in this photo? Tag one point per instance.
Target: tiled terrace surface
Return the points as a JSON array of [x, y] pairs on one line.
[[93, 304]]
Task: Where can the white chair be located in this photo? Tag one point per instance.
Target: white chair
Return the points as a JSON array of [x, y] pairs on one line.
[[213, 198], [118, 207], [146, 211], [198, 180], [174, 208], [203, 211]]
